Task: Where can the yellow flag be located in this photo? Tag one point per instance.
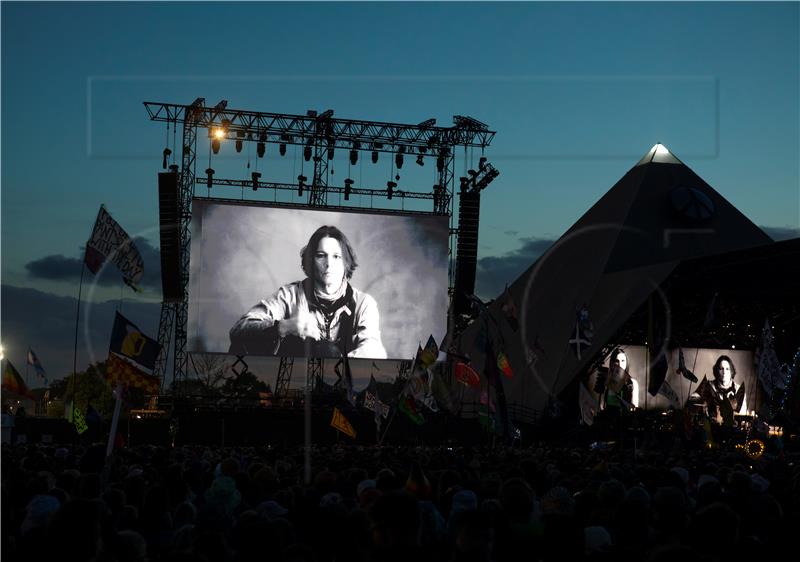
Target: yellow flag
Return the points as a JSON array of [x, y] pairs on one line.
[[338, 421]]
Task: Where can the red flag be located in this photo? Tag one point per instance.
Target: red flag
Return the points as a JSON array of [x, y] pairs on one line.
[[466, 375], [13, 382], [120, 371]]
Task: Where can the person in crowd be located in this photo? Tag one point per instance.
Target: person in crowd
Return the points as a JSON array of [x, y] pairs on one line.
[[322, 315]]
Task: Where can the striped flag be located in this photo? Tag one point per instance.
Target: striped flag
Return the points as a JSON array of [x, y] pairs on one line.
[[12, 381]]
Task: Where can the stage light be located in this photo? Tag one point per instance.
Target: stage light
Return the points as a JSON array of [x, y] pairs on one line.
[[218, 133], [374, 156], [440, 163], [420, 160], [398, 160], [482, 163], [255, 176], [261, 148], [390, 185], [166, 153], [209, 177], [330, 153], [301, 182], [282, 149], [307, 153], [238, 145], [353, 157], [464, 183], [348, 185]]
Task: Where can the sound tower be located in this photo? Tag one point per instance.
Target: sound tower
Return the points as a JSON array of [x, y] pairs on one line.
[[170, 226], [469, 208]]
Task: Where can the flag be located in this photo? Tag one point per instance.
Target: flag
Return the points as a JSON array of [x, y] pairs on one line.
[[587, 404], [428, 356], [504, 365], [486, 401], [583, 333], [409, 407], [466, 375], [33, 361], [120, 371], [374, 404], [669, 393], [340, 423], [348, 378], [381, 410], [128, 341], [510, 310], [502, 421], [110, 241], [769, 368], [682, 369], [12, 381], [419, 386], [79, 421]]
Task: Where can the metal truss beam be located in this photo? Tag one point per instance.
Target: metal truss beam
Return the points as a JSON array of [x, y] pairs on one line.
[[341, 133]]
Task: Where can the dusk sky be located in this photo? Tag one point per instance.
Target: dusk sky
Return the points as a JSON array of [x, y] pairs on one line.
[[577, 93]]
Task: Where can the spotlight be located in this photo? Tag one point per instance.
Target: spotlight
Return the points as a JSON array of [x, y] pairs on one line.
[[167, 152], [464, 183], [482, 163], [330, 153], [173, 168], [215, 145], [398, 160], [374, 156], [307, 153], [255, 176], [353, 157], [390, 185], [238, 145], [282, 149], [261, 148], [209, 177], [348, 185], [440, 163], [301, 182], [420, 160]]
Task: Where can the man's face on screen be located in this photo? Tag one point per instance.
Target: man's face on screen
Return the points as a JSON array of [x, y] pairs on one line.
[[328, 265]]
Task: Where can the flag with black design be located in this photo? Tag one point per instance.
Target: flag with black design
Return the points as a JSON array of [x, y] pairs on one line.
[[109, 241]]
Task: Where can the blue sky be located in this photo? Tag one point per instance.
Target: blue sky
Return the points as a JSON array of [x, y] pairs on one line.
[[576, 92]]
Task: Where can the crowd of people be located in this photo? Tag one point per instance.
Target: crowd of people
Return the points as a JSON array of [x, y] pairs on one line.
[[352, 503]]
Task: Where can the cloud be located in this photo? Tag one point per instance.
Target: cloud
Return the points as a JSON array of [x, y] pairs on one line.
[[493, 272], [46, 323], [62, 268], [779, 233]]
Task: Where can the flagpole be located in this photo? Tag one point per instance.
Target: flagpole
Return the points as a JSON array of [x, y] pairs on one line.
[[114, 420], [396, 407], [75, 348]]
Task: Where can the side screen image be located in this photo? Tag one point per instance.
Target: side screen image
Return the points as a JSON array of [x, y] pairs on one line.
[[300, 282], [728, 368]]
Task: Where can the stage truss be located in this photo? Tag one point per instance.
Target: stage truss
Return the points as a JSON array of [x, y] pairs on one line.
[[319, 134]]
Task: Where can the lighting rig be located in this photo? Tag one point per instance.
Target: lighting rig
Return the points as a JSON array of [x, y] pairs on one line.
[[318, 135]]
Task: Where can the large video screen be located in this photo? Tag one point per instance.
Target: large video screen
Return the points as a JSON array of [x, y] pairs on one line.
[[709, 364], [301, 282]]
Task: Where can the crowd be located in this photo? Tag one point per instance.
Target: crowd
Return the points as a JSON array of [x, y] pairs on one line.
[[411, 504]]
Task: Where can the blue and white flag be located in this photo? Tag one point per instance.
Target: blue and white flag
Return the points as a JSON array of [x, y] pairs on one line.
[[33, 361]]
